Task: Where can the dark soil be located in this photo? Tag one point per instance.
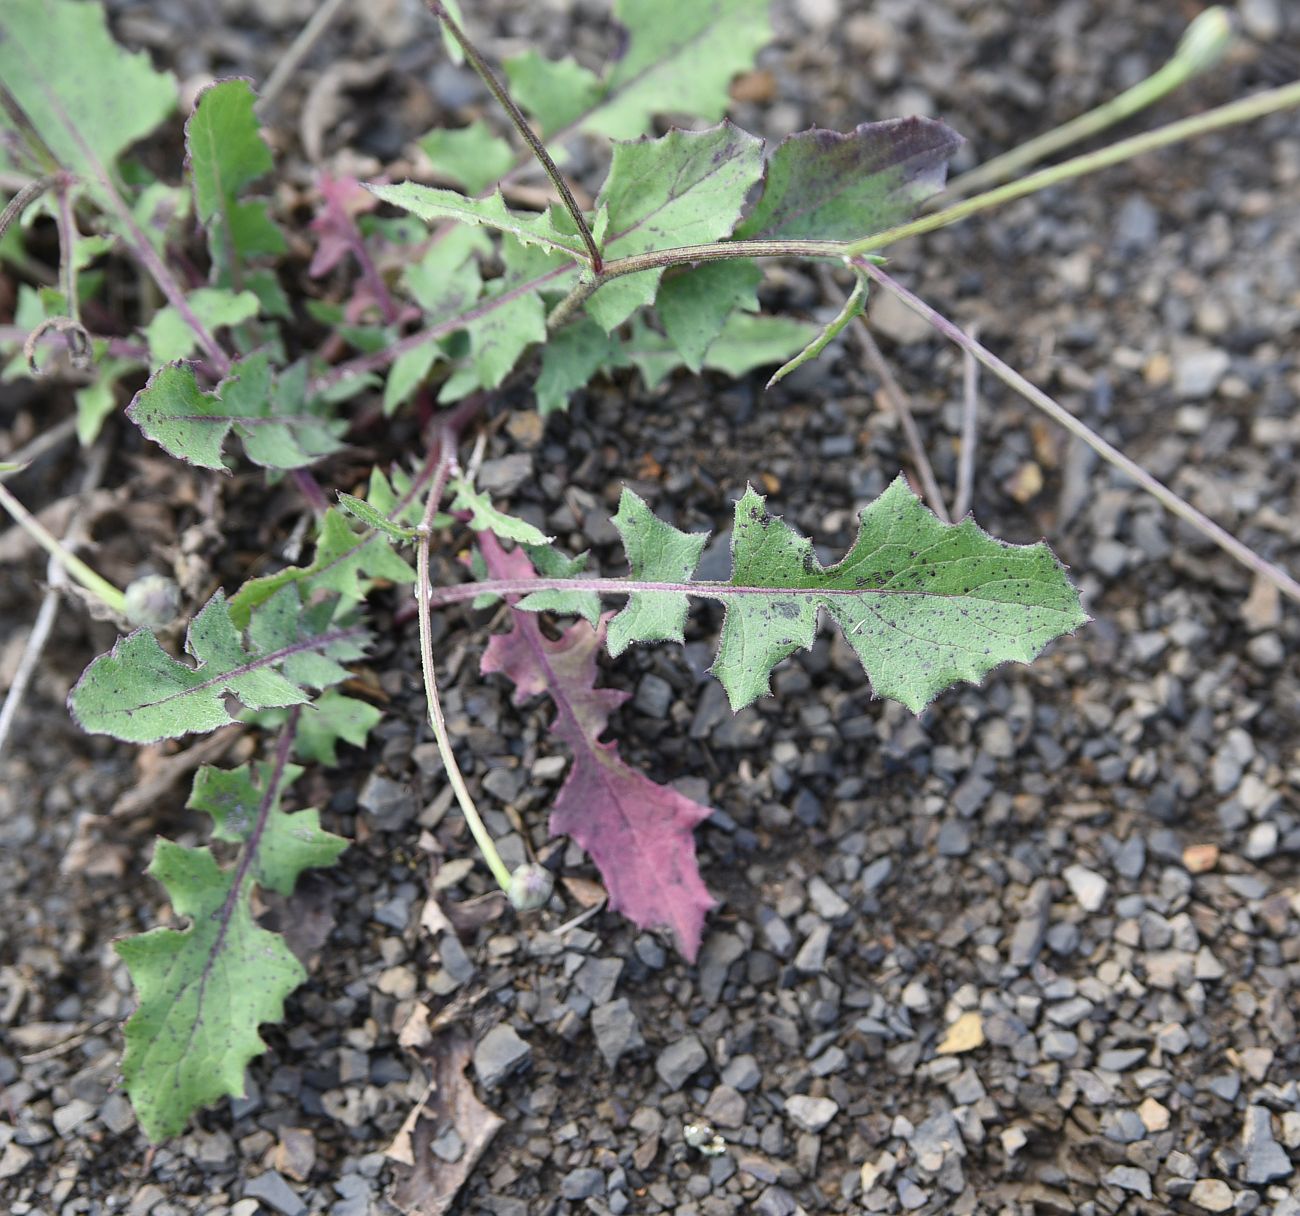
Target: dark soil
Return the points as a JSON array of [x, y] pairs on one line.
[[1096, 855]]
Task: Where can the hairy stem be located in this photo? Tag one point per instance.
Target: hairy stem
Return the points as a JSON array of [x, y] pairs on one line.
[[1165, 496], [1202, 45], [24, 199], [96, 584], [535, 145], [437, 720]]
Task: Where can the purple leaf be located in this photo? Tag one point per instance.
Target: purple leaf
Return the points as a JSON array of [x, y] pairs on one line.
[[639, 834], [822, 185]]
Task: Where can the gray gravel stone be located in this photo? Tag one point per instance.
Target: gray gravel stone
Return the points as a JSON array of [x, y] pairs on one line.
[[653, 696], [616, 1029], [1197, 372], [954, 838], [811, 959], [810, 1114], [679, 1061], [876, 875], [500, 1053], [742, 1073], [1265, 1159], [582, 1183], [1031, 928], [271, 1188], [911, 1196], [826, 902], [1087, 886], [1129, 1178]]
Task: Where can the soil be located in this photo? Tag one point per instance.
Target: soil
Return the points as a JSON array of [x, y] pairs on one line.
[[1034, 950]]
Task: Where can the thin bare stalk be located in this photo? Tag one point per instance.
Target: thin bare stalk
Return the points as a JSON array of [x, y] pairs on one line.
[[535, 145], [899, 404], [1165, 496], [298, 50], [46, 441], [1202, 45], [969, 431], [79, 340], [24, 199], [437, 720]]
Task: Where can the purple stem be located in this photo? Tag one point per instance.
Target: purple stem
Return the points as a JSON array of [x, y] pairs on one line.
[[369, 271], [311, 490]]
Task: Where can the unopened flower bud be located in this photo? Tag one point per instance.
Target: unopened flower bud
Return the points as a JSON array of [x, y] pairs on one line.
[[530, 887]]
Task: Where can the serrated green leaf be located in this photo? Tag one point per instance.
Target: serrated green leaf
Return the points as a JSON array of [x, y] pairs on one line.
[[331, 717], [681, 56], [695, 304], [345, 563], [826, 186], [484, 517], [139, 693], [87, 98], [925, 604], [267, 414], [556, 92], [474, 156], [569, 360], [225, 147], [684, 188], [170, 336], [395, 496], [238, 799], [432, 204], [746, 342], [203, 992], [372, 517], [656, 552], [549, 562]]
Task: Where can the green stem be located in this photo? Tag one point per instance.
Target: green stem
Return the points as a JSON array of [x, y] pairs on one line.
[[437, 720], [1032, 393], [97, 585], [1267, 102], [1200, 48], [535, 145]]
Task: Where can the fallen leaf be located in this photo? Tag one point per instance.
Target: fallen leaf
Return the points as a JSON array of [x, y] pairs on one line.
[[965, 1034], [639, 834], [450, 1103]]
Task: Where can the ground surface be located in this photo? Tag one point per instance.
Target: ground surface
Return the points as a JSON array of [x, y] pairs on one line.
[[1092, 861]]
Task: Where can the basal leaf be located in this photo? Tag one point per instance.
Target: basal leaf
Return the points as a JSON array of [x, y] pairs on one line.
[[694, 305], [139, 693], [925, 604], [268, 415], [288, 843], [226, 154], [681, 56], [474, 156], [569, 360], [823, 185], [170, 336], [345, 563], [684, 188], [656, 552], [432, 204], [484, 517], [203, 992], [88, 99], [639, 834], [556, 92]]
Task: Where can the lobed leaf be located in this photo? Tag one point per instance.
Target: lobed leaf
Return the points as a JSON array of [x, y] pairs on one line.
[[824, 185], [684, 188], [203, 991], [474, 157], [139, 693], [484, 517], [268, 414], [746, 342], [694, 305], [170, 335], [639, 833], [556, 92]]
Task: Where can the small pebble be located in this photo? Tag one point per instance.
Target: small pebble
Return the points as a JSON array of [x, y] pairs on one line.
[[810, 1114]]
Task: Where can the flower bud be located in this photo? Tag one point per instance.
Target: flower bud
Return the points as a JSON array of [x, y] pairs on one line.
[[530, 887], [152, 601]]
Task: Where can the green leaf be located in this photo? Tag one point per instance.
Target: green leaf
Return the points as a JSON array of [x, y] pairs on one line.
[[268, 415], [98, 399], [484, 517], [685, 188], [430, 204], [203, 991], [556, 92], [139, 693], [695, 304], [925, 604], [345, 563], [746, 342], [169, 335], [474, 156], [854, 306], [681, 56], [656, 552], [87, 98], [826, 186], [569, 360], [549, 562], [372, 517], [408, 371], [238, 799], [395, 496], [331, 717], [227, 154]]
